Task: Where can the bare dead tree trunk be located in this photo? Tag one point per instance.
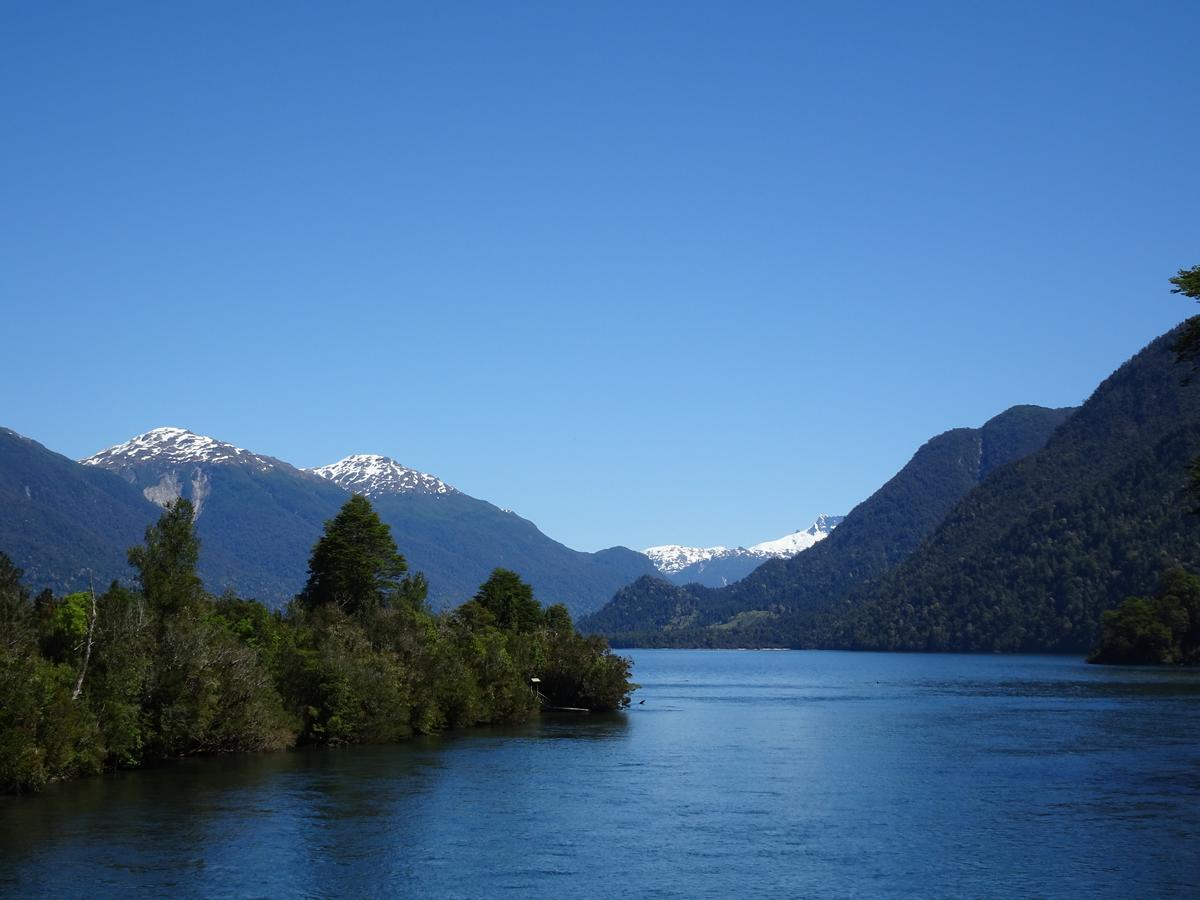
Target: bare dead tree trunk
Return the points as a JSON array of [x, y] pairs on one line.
[[87, 649]]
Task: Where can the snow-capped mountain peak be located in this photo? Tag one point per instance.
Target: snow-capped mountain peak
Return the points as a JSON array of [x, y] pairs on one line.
[[670, 558], [373, 476], [825, 524], [793, 543], [681, 563], [175, 446]]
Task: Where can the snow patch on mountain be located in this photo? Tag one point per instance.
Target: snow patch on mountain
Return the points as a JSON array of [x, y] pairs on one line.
[[791, 544], [373, 476], [672, 558], [176, 446]]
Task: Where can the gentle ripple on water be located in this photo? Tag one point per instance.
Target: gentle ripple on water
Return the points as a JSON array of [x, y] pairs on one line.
[[759, 774]]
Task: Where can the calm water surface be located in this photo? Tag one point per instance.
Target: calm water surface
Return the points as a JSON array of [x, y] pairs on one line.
[[742, 774]]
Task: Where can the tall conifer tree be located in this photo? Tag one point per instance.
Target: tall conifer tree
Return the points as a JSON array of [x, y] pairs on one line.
[[355, 564], [166, 562]]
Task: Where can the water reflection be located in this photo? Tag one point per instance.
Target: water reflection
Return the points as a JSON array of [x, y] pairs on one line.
[[749, 774]]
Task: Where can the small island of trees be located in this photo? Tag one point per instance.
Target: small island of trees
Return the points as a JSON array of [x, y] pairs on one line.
[[1163, 630], [94, 682]]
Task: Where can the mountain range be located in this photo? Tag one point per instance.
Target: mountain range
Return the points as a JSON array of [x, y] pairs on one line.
[[1031, 559], [1014, 537], [719, 566], [66, 522], [876, 535]]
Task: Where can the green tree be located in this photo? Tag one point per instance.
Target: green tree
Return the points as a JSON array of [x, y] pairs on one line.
[[1164, 630], [16, 612], [355, 565], [510, 601], [1187, 282], [43, 734], [166, 563], [558, 620], [206, 690], [582, 671], [64, 626], [121, 670]]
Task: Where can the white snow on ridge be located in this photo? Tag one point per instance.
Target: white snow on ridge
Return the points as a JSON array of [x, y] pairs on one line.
[[671, 558], [365, 474], [373, 476], [674, 557], [175, 446], [791, 544]]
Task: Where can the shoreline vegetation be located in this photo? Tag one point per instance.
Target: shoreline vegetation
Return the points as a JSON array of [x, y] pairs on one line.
[[98, 681], [1163, 630]]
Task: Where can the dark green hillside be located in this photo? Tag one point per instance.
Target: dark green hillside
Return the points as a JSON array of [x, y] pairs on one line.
[[1031, 558], [457, 540], [652, 612], [60, 520], [876, 535]]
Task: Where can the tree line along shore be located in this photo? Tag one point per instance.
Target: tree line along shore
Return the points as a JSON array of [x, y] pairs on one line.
[[123, 677]]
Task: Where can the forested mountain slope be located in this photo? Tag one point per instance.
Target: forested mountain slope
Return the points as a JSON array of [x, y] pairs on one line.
[[64, 523], [1031, 558], [876, 535]]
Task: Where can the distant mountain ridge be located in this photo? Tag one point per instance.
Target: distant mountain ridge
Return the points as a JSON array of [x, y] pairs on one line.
[[877, 534], [258, 516], [719, 566]]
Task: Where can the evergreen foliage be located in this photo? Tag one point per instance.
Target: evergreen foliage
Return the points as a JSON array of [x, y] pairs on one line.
[[1187, 283], [510, 602], [355, 565], [166, 562], [358, 657], [1032, 558], [1164, 630]]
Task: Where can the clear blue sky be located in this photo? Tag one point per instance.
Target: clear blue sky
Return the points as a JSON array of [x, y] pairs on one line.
[[644, 272]]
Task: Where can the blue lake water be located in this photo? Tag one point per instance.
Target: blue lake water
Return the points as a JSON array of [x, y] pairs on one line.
[[743, 773]]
